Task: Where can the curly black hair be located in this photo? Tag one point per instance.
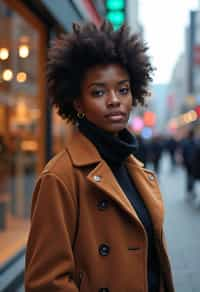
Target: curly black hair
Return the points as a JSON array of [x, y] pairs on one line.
[[87, 45]]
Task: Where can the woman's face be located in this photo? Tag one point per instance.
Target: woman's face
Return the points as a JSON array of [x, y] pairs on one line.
[[106, 97]]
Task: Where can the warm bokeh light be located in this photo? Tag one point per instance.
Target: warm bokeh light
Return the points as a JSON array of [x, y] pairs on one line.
[[149, 119], [24, 39], [24, 51], [21, 77], [29, 145], [184, 119], [7, 75], [34, 114], [193, 116], [22, 112], [137, 124], [4, 54]]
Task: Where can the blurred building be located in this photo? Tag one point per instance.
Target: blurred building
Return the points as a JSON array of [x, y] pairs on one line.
[[29, 132], [184, 88], [159, 105], [194, 55], [132, 15], [177, 90]]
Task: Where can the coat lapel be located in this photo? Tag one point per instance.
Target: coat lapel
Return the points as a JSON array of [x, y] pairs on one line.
[[83, 153], [146, 184], [108, 184]]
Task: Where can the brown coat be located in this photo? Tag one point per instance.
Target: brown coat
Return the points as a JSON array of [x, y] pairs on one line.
[[85, 234]]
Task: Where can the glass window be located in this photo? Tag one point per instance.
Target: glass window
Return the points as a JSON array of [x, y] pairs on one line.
[[59, 131], [20, 111]]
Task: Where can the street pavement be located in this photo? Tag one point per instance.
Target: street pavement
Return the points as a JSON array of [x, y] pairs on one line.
[[182, 228]]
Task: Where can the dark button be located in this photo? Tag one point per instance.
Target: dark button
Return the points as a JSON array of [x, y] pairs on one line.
[[103, 290], [104, 249], [103, 204]]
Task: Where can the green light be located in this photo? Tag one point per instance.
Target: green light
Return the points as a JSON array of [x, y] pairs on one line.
[[115, 4], [116, 17], [116, 26]]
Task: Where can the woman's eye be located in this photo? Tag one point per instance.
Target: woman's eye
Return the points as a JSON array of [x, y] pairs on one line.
[[124, 90], [98, 92]]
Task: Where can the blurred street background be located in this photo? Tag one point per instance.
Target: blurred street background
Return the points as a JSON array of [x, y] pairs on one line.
[[168, 128]]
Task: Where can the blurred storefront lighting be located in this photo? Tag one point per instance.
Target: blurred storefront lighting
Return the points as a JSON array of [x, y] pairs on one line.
[[186, 118], [149, 119], [197, 110], [7, 75], [29, 145], [24, 51], [193, 116], [137, 124], [147, 133], [21, 77], [4, 54], [173, 125], [24, 39], [183, 120], [22, 113], [35, 114]]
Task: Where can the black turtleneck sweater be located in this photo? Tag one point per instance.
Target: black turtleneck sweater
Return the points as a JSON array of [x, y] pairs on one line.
[[114, 150]]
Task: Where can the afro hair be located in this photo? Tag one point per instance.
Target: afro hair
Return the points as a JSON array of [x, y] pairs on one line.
[[86, 46]]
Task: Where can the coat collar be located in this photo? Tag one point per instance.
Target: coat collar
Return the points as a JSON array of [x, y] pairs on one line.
[[84, 153]]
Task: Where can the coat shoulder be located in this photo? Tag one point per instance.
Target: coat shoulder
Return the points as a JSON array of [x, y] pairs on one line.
[[60, 166]]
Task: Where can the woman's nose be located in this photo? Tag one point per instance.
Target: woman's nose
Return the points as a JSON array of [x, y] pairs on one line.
[[113, 99]]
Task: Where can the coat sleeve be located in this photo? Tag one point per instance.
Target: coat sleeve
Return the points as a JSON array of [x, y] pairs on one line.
[[49, 258]]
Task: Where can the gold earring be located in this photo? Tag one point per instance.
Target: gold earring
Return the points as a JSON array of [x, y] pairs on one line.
[[80, 115]]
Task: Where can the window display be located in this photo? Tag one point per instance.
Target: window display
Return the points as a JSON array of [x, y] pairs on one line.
[[20, 126]]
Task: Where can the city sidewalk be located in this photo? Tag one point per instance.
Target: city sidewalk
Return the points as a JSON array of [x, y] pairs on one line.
[[13, 239], [182, 225]]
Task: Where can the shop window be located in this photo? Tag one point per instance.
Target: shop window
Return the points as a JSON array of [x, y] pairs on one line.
[[20, 123], [59, 131]]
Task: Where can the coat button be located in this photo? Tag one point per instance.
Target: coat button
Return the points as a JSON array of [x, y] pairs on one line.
[[151, 177], [103, 204], [104, 249], [103, 290], [97, 178]]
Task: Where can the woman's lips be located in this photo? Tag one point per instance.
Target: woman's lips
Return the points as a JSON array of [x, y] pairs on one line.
[[115, 117]]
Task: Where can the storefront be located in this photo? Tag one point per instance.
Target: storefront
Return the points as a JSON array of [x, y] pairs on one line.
[[29, 132], [22, 123]]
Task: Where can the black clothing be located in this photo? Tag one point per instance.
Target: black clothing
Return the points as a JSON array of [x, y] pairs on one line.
[[114, 150]]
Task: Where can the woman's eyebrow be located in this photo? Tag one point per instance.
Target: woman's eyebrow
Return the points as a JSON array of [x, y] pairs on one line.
[[104, 83], [123, 81], [96, 84]]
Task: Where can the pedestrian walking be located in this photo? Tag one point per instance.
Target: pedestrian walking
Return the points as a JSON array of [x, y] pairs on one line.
[[156, 152], [171, 146], [97, 214], [187, 147]]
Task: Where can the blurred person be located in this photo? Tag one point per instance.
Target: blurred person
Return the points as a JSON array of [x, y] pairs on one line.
[[97, 214], [171, 147], [156, 149], [187, 146], [141, 152], [195, 160]]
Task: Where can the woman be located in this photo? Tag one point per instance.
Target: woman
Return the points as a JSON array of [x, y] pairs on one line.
[[97, 214]]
